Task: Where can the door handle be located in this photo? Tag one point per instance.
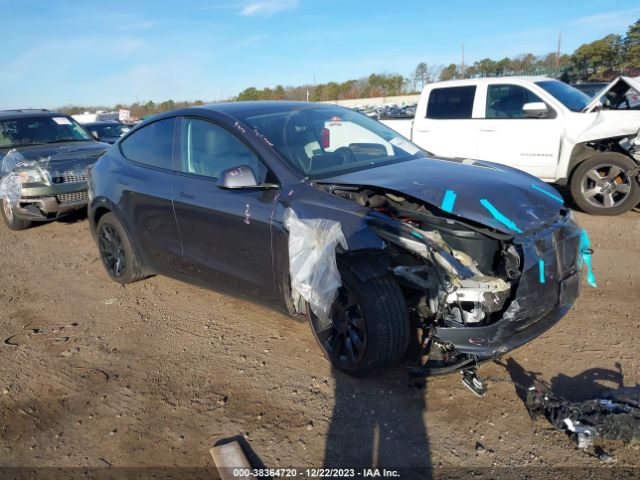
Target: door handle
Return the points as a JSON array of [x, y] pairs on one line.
[[488, 129], [423, 130], [122, 182], [187, 196]]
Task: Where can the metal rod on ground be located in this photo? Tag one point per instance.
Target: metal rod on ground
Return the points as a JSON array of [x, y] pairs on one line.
[[229, 457]]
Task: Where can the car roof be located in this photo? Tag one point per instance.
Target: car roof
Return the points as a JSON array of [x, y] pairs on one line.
[[488, 80], [259, 106], [29, 112]]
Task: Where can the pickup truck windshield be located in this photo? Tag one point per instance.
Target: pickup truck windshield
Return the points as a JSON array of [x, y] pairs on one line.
[[325, 141], [570, 97], [23, 131]]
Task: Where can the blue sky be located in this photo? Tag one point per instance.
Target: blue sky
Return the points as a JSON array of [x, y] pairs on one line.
[[68, 52]]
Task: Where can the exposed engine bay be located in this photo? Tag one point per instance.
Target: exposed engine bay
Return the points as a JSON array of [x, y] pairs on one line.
[[455, 275], [473, 292]]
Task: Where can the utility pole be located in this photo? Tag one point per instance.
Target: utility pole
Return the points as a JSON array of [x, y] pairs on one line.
[[462, 63], [558, 50]]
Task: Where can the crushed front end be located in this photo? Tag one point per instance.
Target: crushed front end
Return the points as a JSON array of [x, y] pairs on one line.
[[475, 293]]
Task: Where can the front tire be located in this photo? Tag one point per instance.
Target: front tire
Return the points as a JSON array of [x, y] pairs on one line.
[[10, 219], [369, 325], [600, 187], [116, 251]]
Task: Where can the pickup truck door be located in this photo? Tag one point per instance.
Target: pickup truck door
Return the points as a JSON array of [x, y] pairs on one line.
[[446, 127], [507, 135]]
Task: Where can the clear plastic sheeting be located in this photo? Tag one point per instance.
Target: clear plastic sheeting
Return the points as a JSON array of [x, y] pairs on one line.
[[10, 185], [15, 170], [312, 261]]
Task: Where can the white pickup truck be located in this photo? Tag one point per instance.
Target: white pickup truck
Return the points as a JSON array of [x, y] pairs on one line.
[[542, 126]]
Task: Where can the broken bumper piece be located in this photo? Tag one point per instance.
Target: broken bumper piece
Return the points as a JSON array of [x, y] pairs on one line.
[[547, 288]]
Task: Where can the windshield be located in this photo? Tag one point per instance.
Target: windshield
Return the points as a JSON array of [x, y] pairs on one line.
[[24, 131], [110, 130], [320, 141], [570, 97]]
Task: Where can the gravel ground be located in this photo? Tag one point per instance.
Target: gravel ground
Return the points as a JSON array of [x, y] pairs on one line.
[[93, 374]]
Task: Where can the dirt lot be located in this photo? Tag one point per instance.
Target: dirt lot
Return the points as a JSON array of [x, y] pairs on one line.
[[93, 374]]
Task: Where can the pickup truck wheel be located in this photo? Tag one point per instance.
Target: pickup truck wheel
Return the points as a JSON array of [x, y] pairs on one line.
[[368, 329], [10, 219], [600, 187], [116, 251]]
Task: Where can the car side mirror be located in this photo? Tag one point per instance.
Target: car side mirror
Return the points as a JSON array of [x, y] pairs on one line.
[[95, 135], [242, 176], [535, 110]]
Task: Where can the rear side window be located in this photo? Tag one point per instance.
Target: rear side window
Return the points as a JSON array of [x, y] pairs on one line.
[[451, 103], [151, 145]]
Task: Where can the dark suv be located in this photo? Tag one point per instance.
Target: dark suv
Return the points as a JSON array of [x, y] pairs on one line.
[[329, 215], [43, 157]]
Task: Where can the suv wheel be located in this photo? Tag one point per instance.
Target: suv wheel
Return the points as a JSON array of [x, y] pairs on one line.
[[368, 329], [10, 218], [116, 251], [599, 185]]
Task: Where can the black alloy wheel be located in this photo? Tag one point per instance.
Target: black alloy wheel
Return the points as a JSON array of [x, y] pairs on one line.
[[368, 326], [116, 251], [111, 250], [344, 336]]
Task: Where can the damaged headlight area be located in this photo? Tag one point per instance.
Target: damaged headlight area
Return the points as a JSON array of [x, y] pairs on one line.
[[475, 293], [463, 277], [15, 172]]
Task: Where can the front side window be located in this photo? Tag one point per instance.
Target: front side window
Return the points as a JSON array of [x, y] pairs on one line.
[[208, 149], [39, 130], [451, 103], [151, 145], [506, 101]]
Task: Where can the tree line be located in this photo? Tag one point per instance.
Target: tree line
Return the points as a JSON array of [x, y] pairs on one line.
[[600, 60]]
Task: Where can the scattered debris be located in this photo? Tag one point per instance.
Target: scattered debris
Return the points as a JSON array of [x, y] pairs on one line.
[[615, 415], [480, 448], [603, 456]]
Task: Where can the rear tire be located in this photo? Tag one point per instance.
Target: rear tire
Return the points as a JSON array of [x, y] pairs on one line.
[[10, 219], [116, 251], [369, 327], [599, 186]]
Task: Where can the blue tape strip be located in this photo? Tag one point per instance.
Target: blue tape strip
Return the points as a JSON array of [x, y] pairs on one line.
[[417, 235], [448, 200], [547, 193], [498, 215], [585, 251], [541, 268]]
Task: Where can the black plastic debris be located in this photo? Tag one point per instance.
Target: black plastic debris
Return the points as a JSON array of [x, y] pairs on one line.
[[614, 415]]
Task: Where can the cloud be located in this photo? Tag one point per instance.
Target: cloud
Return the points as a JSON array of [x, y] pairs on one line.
[[266, 8], [616, 20]]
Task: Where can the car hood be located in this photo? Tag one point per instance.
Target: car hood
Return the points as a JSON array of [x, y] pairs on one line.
[[620, 85], [58, 156], [493, 195]]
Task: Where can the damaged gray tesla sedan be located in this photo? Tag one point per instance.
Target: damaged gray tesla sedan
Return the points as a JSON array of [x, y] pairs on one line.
[[333, 217]]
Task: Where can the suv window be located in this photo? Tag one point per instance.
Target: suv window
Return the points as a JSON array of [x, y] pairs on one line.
[[151, 145], [506, 101], [207, 149], [451, 103]]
